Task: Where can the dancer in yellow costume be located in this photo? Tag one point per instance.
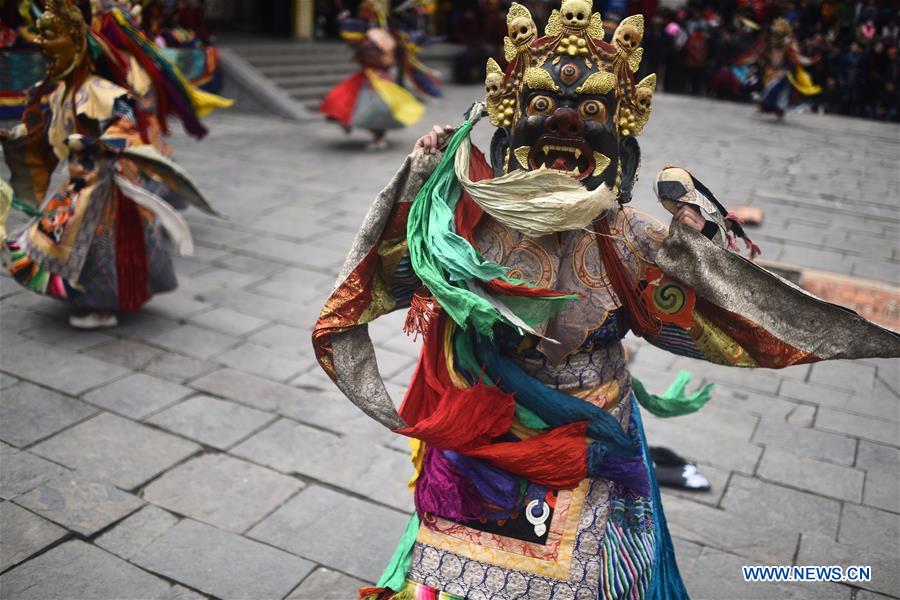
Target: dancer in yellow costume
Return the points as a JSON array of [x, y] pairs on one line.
[[782, 69], [380, 96]]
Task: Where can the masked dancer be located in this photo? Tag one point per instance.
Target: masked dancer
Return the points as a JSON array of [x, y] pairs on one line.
[[524, 271], [103, 242], [782, 67], [387, 92]]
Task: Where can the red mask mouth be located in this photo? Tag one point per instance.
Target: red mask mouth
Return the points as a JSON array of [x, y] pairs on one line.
[[571, 156]]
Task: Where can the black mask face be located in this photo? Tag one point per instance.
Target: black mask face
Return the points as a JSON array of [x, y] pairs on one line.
[[567, 131]]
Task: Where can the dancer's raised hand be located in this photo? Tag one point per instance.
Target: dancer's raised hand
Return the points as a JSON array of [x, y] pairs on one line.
[[435, 140]]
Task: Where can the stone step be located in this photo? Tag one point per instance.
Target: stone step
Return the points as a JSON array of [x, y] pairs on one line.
[[308, 93], [329, 52], [306, 69], [312, 60], [320, 48], [309, 81], [317, 53], [299, 85]]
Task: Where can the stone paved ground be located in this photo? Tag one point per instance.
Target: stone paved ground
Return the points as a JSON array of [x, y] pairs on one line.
[[197, 451]]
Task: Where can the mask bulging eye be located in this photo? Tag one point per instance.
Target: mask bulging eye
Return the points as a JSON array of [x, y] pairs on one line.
[[541, 105], [592, 110]]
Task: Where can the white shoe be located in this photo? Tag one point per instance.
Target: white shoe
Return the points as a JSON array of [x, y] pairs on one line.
[[93, 320], [693, 479]]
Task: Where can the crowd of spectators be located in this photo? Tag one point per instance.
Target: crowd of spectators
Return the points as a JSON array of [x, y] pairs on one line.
[[175, 22], [703, 49], [703, 46]]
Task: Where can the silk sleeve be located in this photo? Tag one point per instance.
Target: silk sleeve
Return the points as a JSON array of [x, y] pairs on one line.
[[716, 305], [377, 276]]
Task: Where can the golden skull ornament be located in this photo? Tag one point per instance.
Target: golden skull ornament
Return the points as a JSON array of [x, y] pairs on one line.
[[522, 31], [644, 98], [493, 84], [575, 14], [627, 37]]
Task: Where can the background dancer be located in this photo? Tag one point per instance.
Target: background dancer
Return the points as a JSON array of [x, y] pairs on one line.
[[385, 94], [98, 242]]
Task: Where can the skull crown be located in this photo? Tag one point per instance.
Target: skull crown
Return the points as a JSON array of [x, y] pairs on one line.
[[572, 31]]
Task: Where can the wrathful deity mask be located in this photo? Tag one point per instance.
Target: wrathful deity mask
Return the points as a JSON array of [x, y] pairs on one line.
[[566, 126], [568, 101], [62, 36]]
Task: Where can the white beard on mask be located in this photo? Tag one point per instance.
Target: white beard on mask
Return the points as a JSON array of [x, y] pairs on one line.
[[535, 203]]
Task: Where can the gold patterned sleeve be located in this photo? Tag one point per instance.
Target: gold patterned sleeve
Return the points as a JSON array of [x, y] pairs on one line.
[[376, 279], [642, 234], [716, 305]]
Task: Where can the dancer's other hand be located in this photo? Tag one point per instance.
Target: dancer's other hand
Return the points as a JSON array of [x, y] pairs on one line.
[[435, 140], [690, 216]]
